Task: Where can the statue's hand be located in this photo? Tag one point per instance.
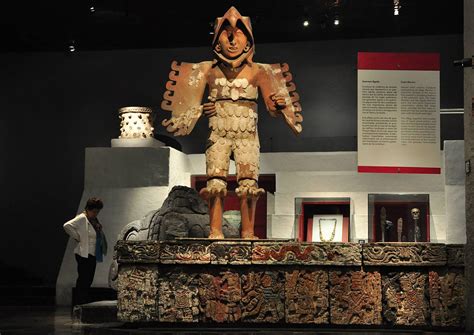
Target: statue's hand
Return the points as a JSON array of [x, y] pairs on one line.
[[278, 100], [209, 109]]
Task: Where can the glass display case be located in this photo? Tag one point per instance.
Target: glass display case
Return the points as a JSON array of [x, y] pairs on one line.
[[399, 218], [323, 219]]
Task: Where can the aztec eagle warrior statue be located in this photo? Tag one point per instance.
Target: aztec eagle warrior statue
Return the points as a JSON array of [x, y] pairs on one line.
[[232, 79]]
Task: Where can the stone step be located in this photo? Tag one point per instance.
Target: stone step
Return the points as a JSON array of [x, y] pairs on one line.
[[97, 294], [104, 311]]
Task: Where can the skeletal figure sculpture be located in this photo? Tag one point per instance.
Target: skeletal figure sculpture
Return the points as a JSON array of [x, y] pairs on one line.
[[233, 80], [415, 215]]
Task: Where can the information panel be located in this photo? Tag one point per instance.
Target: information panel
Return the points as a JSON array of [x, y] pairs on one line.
[[398, 113]]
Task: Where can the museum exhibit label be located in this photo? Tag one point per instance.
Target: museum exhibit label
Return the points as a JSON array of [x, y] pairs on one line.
[[398, 104]]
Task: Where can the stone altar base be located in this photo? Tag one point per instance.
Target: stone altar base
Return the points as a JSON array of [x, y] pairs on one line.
[[415, 285]]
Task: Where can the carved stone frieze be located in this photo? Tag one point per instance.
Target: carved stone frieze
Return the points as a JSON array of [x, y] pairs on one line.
[[405, 298], [263, 296], [455, 254], [185, 252], [223, 252], [447, 298], [306, 297], [232, 281], [137, 293], [306, 253], [178, 296], [137, 251], [355, 297], [220, 295], [406, 254]]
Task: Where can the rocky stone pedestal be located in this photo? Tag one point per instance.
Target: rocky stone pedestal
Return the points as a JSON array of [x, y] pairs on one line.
[[417, 285]]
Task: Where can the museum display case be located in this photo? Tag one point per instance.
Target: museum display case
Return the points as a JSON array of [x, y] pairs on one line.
[[323, 219], [399, 218]]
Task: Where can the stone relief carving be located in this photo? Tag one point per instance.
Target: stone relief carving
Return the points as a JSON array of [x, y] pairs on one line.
[[306, 297], [306, 253], [137, 251], [220, 296], [355, 297], [178, 296], [263, 296], [405, 298], [231, 252], [409, 254], [137, 293], [447, 298], [185, 252]]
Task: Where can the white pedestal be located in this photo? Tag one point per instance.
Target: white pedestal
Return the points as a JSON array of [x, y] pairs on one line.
[[136, 143], [131, 181]]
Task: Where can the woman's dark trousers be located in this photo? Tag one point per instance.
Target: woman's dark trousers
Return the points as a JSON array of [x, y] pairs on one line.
[[86, 271]]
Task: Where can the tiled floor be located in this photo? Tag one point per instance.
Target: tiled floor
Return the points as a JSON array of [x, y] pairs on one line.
[[50, 321]]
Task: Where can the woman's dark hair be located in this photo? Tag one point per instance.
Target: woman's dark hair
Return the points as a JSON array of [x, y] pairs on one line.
[[94, 203]]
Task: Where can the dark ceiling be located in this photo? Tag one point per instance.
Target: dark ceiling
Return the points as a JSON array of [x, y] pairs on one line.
[[130, 24]]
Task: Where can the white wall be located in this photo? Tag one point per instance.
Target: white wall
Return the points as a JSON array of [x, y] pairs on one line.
[[455, 191], [131, 182]]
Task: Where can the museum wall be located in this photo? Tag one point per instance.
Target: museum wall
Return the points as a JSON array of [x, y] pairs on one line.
[[57, 104], [323, 175], [469, 152]]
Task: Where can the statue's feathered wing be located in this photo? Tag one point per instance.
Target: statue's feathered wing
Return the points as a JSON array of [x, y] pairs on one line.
[[183, 96], [278, 80]]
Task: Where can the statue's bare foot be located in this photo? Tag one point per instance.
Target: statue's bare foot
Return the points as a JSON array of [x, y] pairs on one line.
[[216, 236]]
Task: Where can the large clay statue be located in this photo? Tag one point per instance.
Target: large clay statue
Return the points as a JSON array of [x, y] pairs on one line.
[[233, 80]]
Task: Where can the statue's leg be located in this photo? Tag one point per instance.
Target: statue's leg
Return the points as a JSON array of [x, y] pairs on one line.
[[246, 154], [217, 165], [215, 193], [248, 192]]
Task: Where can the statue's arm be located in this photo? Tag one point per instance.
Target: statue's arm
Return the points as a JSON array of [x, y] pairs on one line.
[[267, 88], [183, 96]]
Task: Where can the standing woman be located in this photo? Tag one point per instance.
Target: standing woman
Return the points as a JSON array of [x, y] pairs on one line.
[[86, 230]]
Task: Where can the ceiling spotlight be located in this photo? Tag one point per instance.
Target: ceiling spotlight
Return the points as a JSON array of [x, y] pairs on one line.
[[336, 10], [305, 23], [396, 7], [211, 28], [72, 46]]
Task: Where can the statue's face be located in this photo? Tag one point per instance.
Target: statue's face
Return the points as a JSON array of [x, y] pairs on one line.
[[232, 42]]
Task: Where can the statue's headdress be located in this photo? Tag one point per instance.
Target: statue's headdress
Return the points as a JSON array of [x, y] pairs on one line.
[[233, 18]]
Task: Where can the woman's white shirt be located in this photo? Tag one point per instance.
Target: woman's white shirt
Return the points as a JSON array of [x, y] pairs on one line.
[[81, 230]]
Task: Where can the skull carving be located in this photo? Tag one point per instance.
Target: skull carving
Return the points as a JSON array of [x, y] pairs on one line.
[[415, 213]]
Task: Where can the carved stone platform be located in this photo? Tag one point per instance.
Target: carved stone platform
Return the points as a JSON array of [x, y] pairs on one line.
[[419, 285]]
